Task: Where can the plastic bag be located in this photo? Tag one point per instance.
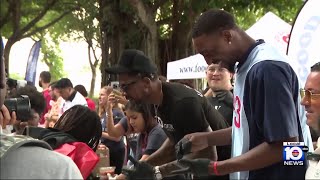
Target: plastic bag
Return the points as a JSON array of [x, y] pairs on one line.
[[82, 155]]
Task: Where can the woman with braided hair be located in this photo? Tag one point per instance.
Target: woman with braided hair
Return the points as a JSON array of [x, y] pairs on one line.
[[81, 123], [79, 131]]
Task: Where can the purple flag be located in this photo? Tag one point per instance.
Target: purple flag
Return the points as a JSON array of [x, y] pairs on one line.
[[32, 63]]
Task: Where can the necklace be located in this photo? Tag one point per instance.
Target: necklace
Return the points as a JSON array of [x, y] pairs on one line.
[[155, 107], [158, 119]]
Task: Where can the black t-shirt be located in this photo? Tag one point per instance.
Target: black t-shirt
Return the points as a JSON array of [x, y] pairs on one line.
[[185, 110], [222, 104], [225, 107]]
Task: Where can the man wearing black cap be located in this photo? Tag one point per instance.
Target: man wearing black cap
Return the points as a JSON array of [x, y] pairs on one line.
[[182, 110]]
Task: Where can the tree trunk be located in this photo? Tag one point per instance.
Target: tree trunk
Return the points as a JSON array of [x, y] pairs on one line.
[[92, 67], [181, 30], [116, 46], [181, 41], [103, 41], [147, 17], [179, 45], [152, 46], [93, 82], [104, 57], [113, 37], [6, 53]]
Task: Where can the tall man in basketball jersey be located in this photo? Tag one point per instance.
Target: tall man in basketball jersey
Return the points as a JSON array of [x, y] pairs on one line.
[[266, 105]]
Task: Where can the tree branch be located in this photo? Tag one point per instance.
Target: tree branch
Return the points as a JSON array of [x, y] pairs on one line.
[[146, 16], [90, 46], [141, 10], [47, 25], [45, 59], [38, 18], [5, 18], [164, 21], [157, 4], [89, 56], [15, 7], [95, 57]]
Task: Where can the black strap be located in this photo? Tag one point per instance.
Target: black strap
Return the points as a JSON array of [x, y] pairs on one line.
[[11, 143], [53, 137]]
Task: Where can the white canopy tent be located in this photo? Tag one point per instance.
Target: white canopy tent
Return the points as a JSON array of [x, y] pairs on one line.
[[272, 29], [302, 49]]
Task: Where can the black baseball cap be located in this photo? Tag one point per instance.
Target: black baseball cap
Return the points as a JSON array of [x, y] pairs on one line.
[[133, 61]]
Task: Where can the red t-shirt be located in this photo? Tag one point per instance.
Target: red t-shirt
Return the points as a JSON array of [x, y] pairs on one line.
[[47, 97], [91, 104]]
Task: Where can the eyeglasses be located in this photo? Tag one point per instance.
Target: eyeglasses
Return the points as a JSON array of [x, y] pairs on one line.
[[125, 87], [308, 94], [219, 70]]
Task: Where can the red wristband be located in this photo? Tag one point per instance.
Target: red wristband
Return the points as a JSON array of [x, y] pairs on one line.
[[215, 164]]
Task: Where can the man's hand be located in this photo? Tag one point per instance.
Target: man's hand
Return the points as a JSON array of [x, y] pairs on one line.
[[208, 93], [197, 167], [141, 170], [183, 147], [6, 118], [19, 126], [225, 96], [121, 99], [191, 143]]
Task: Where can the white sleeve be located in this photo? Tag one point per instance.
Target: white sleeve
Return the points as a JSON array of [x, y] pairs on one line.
[[34, 162]]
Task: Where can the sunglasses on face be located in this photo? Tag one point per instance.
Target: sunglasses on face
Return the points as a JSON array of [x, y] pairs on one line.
[[125, 87], [308, 94]]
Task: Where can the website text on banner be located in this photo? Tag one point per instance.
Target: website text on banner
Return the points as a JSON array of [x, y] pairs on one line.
[[192, 67], [303, 48]]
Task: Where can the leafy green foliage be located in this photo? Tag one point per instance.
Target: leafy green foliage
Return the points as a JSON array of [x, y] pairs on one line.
[[174, 19], [52, 57], [248, 12], [16, 76], [21, 19]]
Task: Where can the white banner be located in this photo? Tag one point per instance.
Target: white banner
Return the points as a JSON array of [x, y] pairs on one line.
[[192, 67], [304, 42]]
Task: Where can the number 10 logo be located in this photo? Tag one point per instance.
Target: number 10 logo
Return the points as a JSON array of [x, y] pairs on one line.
[[293, 153]]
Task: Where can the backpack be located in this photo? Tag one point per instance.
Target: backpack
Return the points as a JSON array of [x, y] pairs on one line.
[[10, 143], [82, 155]]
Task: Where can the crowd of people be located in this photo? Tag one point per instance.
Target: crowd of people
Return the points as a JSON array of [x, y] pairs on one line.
[[154, 129]]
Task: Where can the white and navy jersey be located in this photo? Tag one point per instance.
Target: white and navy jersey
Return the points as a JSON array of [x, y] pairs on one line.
[[266, 109]]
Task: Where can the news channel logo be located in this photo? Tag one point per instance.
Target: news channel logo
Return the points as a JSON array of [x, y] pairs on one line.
[[294, 153]]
